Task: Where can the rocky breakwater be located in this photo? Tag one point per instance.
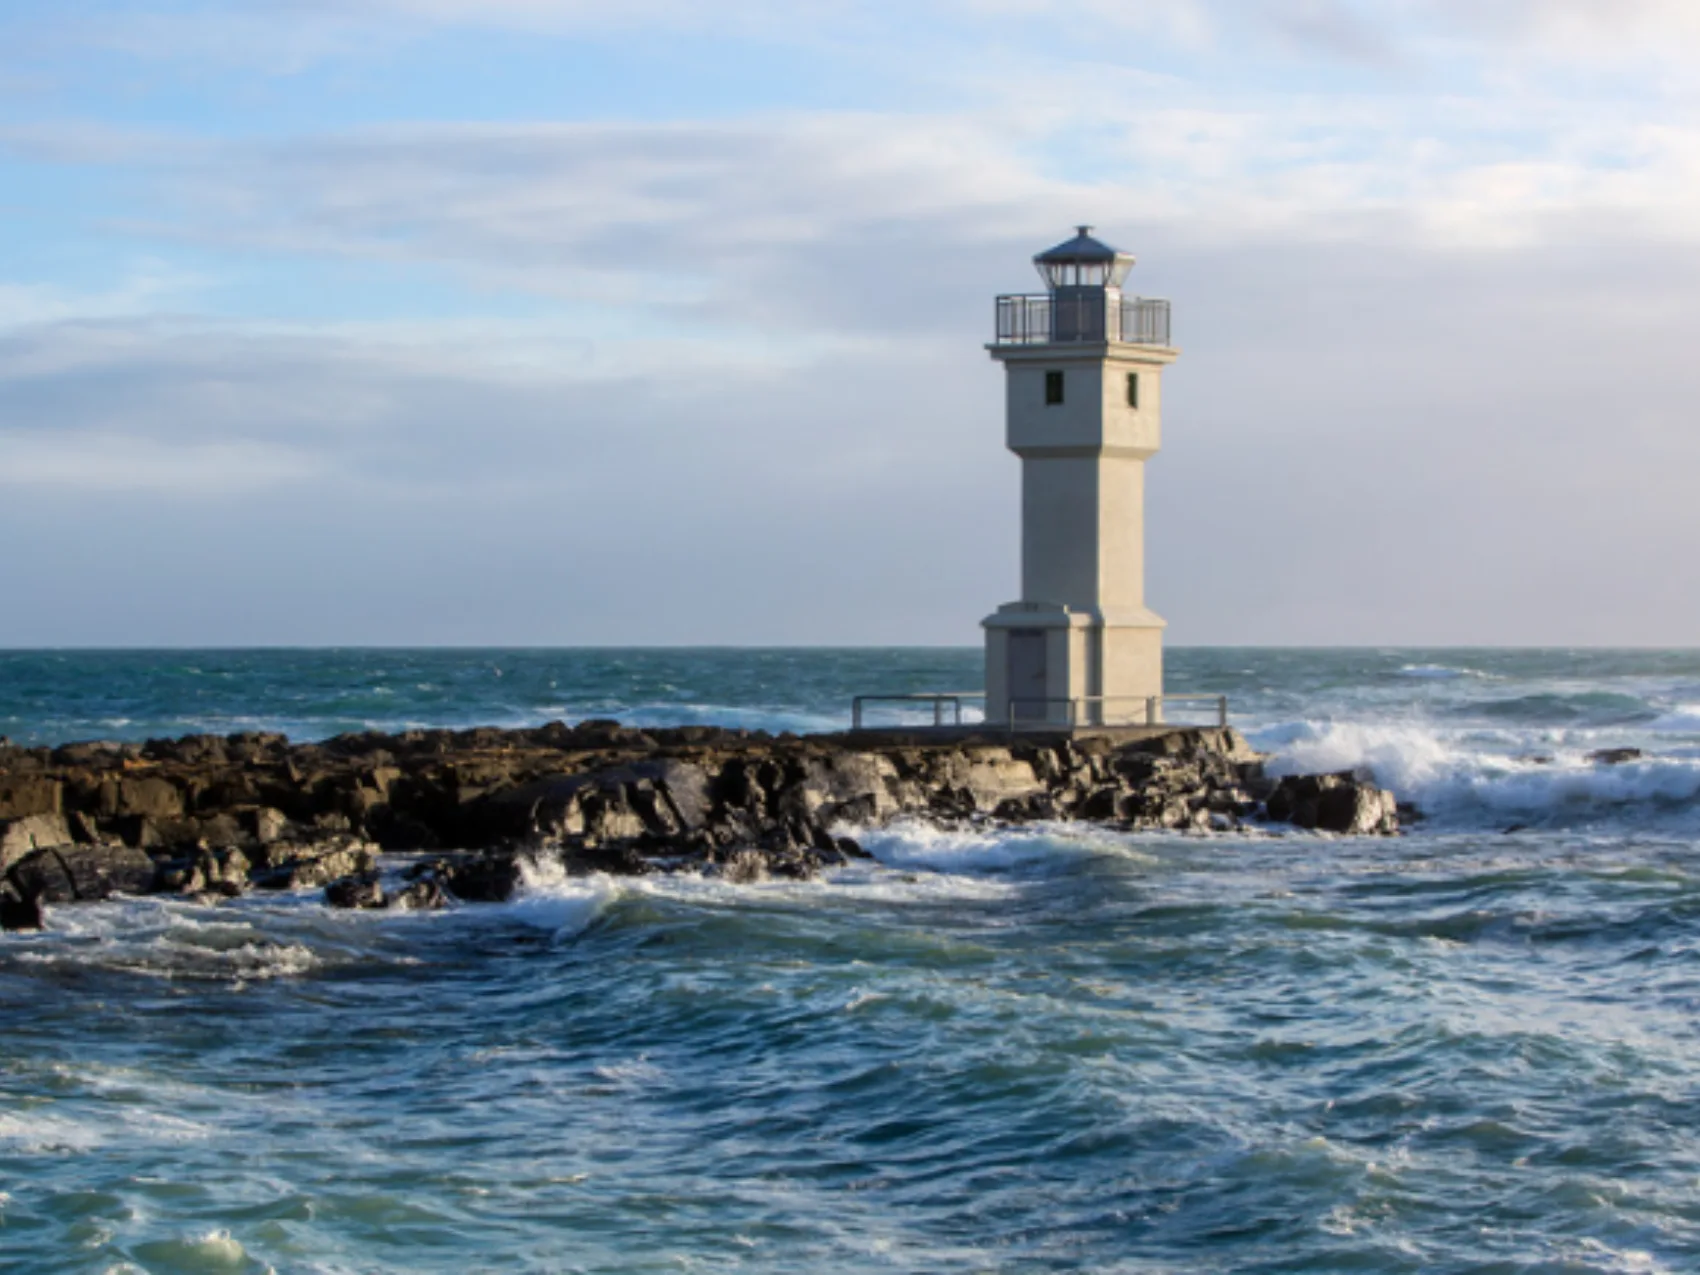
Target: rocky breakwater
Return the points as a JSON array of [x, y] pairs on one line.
[[212, 817]]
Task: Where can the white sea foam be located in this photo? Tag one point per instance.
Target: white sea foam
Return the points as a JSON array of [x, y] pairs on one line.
[[1440, 672], [1467, 776], [1591, 1254], [911, 844], [72, 1129], [167, 939], [892, 884], [635, 1073], [40, 1132], [207, 1251], [1400, 755], [551, 900], [1679, 719]]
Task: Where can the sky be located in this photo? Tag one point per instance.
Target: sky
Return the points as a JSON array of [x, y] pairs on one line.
[[535, 322]]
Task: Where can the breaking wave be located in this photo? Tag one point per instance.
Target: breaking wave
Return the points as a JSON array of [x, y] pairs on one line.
[[1486, 777]]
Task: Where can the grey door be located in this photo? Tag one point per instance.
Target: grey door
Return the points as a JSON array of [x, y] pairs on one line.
[[1027, 673]]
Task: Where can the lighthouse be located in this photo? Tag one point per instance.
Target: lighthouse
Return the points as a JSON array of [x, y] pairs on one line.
[[1083, 368]]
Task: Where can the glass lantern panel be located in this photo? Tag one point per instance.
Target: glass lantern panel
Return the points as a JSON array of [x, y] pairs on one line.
[[1082, 274]]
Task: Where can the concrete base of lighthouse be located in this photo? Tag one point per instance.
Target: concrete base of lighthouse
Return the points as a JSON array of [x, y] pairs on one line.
[[1053, 666]]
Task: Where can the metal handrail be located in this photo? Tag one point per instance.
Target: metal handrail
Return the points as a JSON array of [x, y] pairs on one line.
[[1150, 708], [938, 699], [1042, 318], [1151, 704]]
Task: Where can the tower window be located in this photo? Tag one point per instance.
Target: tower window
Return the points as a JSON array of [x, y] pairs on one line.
[[1133, 389], [1053, 388]]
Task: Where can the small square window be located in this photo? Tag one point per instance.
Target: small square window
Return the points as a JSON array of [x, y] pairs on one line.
[[1053, 388], [1133, 389]]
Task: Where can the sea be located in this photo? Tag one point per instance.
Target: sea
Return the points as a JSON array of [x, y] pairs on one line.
[[1471, 1048]]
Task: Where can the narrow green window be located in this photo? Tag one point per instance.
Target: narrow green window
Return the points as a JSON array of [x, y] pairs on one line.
[[1133, 389], [1053, 388]]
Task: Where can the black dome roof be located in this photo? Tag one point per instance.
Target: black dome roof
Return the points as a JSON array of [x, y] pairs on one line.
[[1083, 248]]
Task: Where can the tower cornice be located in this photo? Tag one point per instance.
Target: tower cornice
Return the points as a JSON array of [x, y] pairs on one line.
[[1085, 352]]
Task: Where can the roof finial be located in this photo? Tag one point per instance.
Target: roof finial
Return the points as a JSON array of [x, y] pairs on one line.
[[1084, 230]]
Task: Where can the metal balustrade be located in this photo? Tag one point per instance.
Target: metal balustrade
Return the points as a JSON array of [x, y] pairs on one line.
[[1044, 319], [1052, 714], [938, 699], [1105, 710]]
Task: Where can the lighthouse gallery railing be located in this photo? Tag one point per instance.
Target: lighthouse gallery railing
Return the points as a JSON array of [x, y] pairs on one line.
[[1033, 319], [1037, 714]]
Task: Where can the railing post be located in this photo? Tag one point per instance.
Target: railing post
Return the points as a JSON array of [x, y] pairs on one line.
[[1150, 710], [1222, 711], [856, 713]]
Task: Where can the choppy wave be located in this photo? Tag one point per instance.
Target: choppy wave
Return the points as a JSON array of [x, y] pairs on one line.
[[1050, 1048], [1484, 777], [1678, 719], [1439, 672], [913, 844], [1559, 708]]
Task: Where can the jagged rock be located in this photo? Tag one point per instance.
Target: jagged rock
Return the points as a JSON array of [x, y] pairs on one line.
[[363, 891], [72, 873], [218, 872], [222, 829], [267, 824], [26, 795], [742, 867], [483, 878], [303, 867], [1333, 803], [423, 895], [21, 837], [686, 786], [137, 831], [19, 911], [1615, 756], [601, 797], [147, 798], [618, 860]]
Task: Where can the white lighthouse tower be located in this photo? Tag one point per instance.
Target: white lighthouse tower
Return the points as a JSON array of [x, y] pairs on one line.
[[1084, 367]]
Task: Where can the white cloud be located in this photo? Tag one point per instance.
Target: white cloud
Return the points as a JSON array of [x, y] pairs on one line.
[[113, 461], [814, 222], [148, 287], [289, 36], [1576, 31], [751, 367]]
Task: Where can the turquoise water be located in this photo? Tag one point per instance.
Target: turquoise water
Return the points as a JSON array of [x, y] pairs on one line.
[[1472, 1049]]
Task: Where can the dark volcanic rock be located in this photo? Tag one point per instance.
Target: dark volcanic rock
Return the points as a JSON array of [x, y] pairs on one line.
[[67, 874], [1333, 803], [481, 878], [356, 892], [1615, 756], [423, 895], [19, 911], [219, 815], [304, 866], [24, 836], [25, 794]]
